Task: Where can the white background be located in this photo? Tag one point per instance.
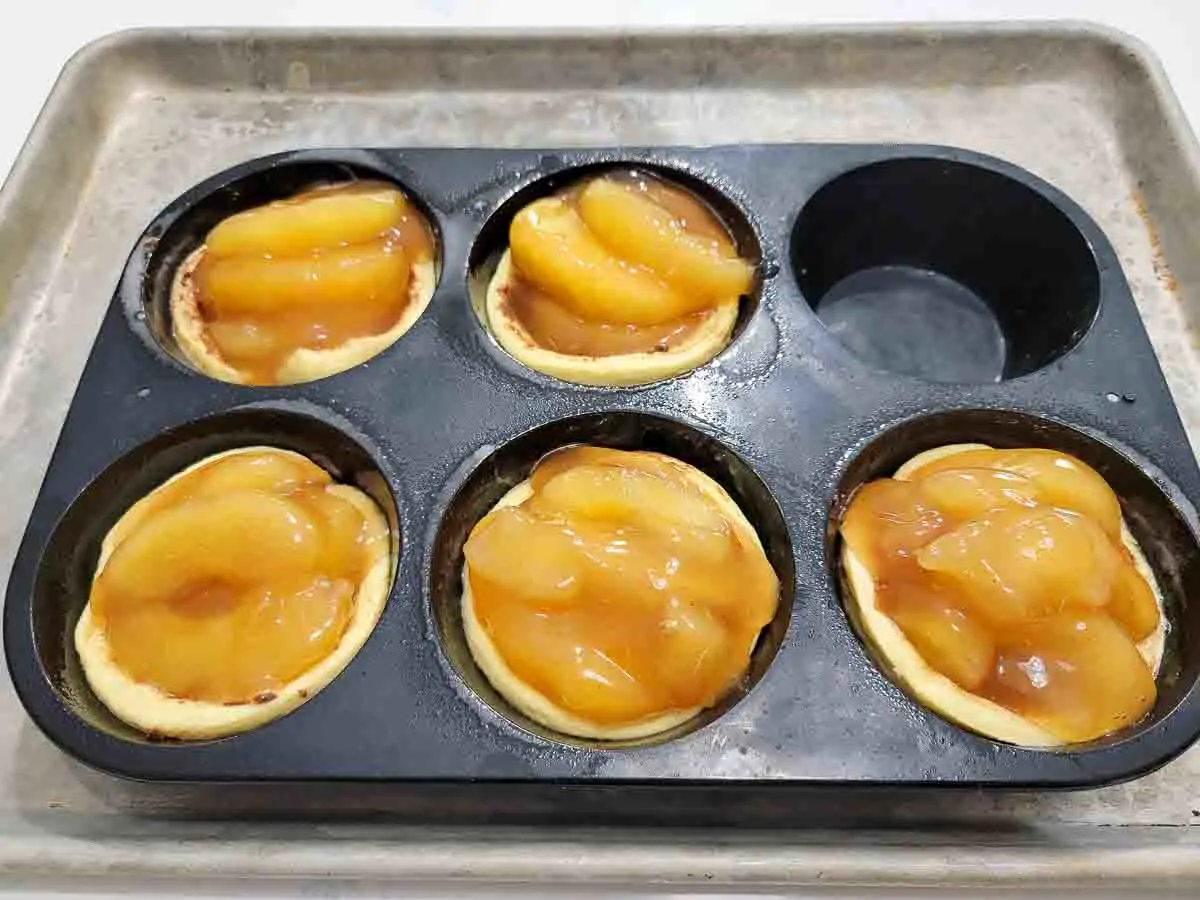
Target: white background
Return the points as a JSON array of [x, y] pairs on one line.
[[37, 37]]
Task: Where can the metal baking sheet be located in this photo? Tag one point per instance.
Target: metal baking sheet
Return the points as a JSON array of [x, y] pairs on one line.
[[138, 118]]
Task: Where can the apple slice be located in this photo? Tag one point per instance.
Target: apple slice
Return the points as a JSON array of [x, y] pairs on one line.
[[230, 539], [973, 493], [369, 274], [1133, 604], [1061, 480], [315, 220], [272, 472], [948, 639], [1019, 564], [668, 507], [555, 251], [1079, 676], [635, 228], [695, 650], [524, 556]]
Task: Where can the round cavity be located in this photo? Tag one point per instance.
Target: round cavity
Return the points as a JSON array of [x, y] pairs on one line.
[[492, 240], [945, 271], [511, 464], [69, 559], [1153, 513], [181, 229]]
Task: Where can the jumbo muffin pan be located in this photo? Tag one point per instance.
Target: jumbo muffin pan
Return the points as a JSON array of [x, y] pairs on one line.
[[908, 296]]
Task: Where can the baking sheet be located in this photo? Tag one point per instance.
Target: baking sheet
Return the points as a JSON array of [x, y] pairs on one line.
[[138, 118]]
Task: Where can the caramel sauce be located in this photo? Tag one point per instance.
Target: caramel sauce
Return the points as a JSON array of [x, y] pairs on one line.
[[312, 271], [234, 579], [562, 327], [558, 329], [619, 590], [1005, 569]]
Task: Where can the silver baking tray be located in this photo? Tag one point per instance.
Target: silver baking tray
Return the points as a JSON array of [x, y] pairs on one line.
[[138, 118]]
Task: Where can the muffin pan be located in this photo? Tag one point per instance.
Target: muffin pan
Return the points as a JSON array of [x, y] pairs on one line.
[[909, 296]]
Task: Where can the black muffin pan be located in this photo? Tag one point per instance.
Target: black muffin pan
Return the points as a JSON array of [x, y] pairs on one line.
[[908, 296]]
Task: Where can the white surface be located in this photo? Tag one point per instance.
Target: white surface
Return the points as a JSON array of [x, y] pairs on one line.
[[32, 54]]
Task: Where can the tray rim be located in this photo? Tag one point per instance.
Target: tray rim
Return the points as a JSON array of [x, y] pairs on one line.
[[874, 859], [94, 52], [744, 860]]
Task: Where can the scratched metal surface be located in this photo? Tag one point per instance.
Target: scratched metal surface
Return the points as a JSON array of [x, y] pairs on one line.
[[137, 119]]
